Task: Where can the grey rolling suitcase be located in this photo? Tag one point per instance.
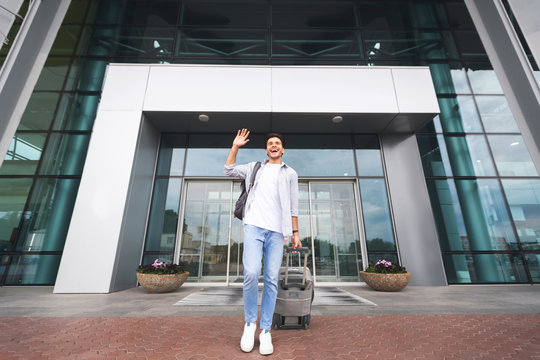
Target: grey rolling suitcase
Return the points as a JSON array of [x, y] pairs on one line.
[[295, 294]]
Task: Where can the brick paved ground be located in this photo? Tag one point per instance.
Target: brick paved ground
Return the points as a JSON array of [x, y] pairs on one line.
[[498, 336]]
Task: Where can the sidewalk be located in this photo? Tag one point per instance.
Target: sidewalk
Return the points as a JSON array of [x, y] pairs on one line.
[[455, 322]]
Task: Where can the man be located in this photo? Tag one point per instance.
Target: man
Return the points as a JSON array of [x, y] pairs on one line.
[[270, 216]]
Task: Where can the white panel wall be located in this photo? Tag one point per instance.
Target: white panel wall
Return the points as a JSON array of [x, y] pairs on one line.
[[208, 88], [93, 243], [333, 90]]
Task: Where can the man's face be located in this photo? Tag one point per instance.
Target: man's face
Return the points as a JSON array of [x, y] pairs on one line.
[[274, 148]]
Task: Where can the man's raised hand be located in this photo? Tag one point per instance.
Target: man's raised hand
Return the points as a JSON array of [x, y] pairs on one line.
[[241, 138]]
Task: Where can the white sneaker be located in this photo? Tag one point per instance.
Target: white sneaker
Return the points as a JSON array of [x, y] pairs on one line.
[[265, 340], [248, 338]]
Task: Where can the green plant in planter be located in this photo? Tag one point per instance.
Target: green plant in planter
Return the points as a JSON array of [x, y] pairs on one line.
[[385, 267], [160, 268]]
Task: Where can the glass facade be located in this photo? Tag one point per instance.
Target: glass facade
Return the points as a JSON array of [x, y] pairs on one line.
[[476, 164], [191, 216]]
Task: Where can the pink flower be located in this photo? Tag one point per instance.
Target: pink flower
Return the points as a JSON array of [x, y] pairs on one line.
[[157, 263]]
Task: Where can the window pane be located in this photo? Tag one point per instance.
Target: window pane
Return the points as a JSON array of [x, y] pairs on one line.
[[483, 80], [171, 155], [321, 162], [448, 216], [13, 196], [151, 13], [163, 220], [511, 156], [458, 114], [449, 80], [76, 112], [313, 14], [471, 215], [39, 112], [533, 262], [66, 39], [33, 269], [23, 154], [434, 160], [222, 42], [368, 155], [247, 13], [469, 44], [46, 220], [468, 155], [395, 14], [496, 114], [53, 74], [484, 268], [524, 200], [65, 154], [377, 222], [316, 43]]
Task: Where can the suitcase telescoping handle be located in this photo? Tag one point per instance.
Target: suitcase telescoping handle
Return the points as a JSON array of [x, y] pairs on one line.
[[301, 250]]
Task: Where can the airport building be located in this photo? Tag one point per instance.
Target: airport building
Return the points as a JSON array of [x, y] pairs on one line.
[[414, 127]]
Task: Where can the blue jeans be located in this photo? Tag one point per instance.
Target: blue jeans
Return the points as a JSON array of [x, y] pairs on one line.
[[268, 245]]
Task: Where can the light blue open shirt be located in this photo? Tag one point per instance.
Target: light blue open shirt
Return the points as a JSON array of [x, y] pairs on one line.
[[287, 188]]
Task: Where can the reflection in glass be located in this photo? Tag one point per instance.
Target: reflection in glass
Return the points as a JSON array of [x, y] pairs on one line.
[[317, 14], [468, 155], [65, 154], [223, 14], [377, 220], [434, 155], [471, 216], [320, 162], [13, 197], [163, 220], [205, 232], [210, 162], [470, 268], [496, 114], [33, 269], [511, 155], [44, 226], [533, 262], [458, 114], [484, 81], [335, 230], [53, 74], [39, 112], [76, 112], [448, 80], [23, 154], [469, 44], [524, 200], [369, 162], [171, 155]]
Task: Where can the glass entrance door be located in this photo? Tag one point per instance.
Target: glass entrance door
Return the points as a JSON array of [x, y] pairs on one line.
[[211, 240]]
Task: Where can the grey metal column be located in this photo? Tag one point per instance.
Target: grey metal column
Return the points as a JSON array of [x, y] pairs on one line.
[[512, 68], [24, 62], [415, 226], [527, 13], [132, 234]]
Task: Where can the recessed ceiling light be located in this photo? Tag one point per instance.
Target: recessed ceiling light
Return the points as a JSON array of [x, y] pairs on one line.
[[337, 119], [514, 143], [204, 117]]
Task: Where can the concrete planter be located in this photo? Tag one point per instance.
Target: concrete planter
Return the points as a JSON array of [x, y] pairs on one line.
[[386, 282], [156, 283]]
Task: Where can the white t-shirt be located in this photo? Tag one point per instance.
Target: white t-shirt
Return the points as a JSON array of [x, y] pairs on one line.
[[265, 211]]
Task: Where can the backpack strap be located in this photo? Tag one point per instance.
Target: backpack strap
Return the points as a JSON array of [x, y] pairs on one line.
[[253, 174]]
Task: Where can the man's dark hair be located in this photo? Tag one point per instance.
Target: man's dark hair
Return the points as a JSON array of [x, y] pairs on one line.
[[277, 135]]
